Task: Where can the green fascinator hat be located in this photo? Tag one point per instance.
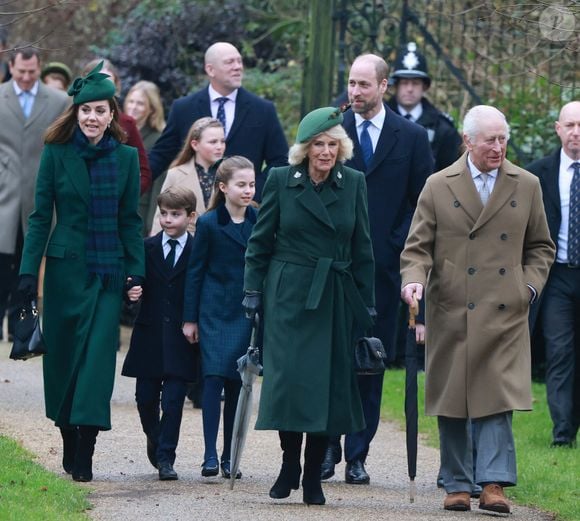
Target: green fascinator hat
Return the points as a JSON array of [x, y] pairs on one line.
[[318, 121], [92, 87]]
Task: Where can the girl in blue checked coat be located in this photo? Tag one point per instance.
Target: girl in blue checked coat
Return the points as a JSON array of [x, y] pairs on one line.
[[213, 315]]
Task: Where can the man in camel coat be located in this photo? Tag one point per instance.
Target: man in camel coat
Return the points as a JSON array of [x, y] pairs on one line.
[[479, 245]]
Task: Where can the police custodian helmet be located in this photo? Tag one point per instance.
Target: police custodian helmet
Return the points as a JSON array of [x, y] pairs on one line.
[[410, 64]]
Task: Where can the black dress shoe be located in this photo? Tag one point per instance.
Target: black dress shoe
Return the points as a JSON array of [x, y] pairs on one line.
[[166, 472], [152, 452], [355, 473], [330, 460], [210, 468], [226, 473]]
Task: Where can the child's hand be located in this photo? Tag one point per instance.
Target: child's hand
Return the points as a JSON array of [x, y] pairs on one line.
[[191, 332], [420, 333], [135, 293]]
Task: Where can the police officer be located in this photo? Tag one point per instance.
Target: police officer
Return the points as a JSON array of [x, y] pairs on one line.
[[411, 81]]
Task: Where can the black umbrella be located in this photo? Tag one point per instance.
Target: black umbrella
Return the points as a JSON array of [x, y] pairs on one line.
[[411, 409]]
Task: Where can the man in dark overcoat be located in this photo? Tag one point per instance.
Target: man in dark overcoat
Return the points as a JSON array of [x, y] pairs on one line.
[[395, 157], [251, 124], [559, 314], [480, 246]]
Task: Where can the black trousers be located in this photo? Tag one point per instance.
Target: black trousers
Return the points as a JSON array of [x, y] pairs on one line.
[[9, 269]]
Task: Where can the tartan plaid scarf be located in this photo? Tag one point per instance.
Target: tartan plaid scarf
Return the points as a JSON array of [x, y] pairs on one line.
[[103, 237]]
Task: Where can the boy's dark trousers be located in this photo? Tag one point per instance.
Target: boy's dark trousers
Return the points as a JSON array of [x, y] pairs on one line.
[[150, 393]]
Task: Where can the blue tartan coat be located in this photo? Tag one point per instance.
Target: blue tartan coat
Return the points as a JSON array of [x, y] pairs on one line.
[[214, 290], [158, 348]]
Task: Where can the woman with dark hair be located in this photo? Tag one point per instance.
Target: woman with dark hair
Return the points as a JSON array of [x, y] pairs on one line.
[[212, 313], [91, 182], [310, 256], [127, 122]]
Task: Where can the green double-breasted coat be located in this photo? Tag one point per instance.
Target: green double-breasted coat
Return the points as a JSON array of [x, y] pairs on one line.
[[311, 255], [80, 318]]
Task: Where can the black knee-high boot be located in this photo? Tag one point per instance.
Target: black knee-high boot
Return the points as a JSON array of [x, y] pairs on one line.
[[313, 456], [289, 477], [69, 447], [83, 466]]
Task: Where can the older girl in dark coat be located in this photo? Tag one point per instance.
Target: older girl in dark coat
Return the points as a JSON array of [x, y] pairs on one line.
[[213, 290]]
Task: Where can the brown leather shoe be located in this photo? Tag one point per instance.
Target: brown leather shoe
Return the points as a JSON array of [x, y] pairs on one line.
[[458, 501], [492, 498]]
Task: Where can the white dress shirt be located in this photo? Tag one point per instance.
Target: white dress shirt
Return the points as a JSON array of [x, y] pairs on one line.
[[374, 128], [415, 113], [229, 106], [178, 247], [491, 176], [564, 181]]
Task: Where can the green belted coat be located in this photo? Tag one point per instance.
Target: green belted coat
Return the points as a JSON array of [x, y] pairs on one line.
[[311, 255]]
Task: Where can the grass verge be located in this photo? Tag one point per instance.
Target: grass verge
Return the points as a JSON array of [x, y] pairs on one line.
[[548, 478], [29, 492]]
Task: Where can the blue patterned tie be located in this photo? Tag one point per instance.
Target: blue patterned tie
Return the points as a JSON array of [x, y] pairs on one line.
[[26, 100], [574, 218], [170, 259], [221, 113], [366, 144]]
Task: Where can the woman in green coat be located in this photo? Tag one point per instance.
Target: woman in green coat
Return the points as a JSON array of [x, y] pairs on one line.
[[90, 181], [310, 256]]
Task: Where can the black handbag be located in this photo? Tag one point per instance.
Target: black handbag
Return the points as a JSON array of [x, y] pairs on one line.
[[28, 340], [369, 356]]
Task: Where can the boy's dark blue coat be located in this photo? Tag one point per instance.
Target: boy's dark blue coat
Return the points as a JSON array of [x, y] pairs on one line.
[[158, 348]]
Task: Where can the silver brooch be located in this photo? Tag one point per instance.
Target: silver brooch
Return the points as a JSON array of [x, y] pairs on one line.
[[297, 175], [339, 175]]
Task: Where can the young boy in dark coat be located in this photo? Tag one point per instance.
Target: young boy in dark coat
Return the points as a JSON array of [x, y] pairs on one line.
[[159, 356]]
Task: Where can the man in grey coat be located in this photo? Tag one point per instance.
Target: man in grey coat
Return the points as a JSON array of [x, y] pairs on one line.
[[479, 244], [27, 108]]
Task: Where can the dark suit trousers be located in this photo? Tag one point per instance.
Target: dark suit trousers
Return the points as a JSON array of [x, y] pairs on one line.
[[9, 268], [170, 394], [356, 445], [561, 325]]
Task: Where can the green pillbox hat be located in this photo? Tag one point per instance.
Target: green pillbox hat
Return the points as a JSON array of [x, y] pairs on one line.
[[318, 121], [94, 86]]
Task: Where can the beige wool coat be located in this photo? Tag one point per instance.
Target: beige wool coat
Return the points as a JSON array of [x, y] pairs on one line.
[[475, 264], [184, 176]]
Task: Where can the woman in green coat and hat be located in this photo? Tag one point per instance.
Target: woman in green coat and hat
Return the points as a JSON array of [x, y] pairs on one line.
[[90, 181], [310, 268]]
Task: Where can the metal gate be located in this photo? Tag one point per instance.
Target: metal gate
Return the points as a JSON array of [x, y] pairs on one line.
[[520, 57]]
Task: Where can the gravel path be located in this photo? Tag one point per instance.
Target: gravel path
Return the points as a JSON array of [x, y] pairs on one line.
[[126, 486]]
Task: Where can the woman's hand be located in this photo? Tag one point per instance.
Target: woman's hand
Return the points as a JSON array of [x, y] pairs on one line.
[[191, 332], [135, 293]]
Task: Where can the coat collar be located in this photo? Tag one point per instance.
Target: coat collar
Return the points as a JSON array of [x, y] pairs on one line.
[[157, 258], [388, 139], [461, 184], [229, 228], [551, 176], [316, 204], [77, 172]]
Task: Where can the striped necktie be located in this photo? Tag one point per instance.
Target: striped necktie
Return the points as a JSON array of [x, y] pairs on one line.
[[484, 190], [574, 218]]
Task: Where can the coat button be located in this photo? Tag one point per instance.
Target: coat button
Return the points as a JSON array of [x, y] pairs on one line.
[[165, 319], [513, 204], [501, 306], [471, 305], [471, 271], [457, 204], [503, 237], [502, 271], [471, 236]]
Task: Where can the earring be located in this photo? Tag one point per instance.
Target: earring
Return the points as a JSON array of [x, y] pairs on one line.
[[109, 125]]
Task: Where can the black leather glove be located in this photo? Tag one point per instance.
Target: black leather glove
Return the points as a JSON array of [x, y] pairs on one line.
[[27, 290], [252, 303], [136, 280], [373, 313]]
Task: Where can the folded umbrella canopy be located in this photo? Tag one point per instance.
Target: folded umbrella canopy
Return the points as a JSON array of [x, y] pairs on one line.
[[411, 409], [249, 368]]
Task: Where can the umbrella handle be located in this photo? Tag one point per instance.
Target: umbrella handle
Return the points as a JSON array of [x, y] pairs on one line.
[[413, 312]]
